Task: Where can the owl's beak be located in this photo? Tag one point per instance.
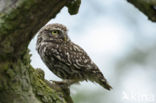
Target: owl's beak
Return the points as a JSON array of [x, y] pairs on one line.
[[63, 37]]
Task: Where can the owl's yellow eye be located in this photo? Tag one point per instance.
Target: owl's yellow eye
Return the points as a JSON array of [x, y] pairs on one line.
[[55, 32]]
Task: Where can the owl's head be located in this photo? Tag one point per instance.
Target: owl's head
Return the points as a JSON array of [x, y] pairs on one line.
[[54, 32]]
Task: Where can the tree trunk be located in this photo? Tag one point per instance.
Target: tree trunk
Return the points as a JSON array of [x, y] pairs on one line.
[[19, 22]]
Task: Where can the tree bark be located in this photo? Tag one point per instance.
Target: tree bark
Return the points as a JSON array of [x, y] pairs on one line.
[[19, 22], [148, 7]]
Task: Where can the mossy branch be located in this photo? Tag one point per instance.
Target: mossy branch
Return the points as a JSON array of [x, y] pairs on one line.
[[20, 20], [148, 7]]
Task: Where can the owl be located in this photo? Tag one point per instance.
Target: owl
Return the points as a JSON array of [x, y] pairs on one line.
[[66, 59]]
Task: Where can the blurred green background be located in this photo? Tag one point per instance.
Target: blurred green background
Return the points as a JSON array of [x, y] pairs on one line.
[[121, 41]]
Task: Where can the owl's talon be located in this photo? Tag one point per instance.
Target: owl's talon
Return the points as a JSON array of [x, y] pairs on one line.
[[64, 82], [61, 83]]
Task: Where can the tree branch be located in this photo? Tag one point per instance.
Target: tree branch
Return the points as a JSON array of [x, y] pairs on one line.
[[148, 7], [19, 22]]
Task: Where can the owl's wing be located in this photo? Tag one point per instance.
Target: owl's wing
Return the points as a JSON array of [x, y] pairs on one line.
[[71, 55], [76, 58]]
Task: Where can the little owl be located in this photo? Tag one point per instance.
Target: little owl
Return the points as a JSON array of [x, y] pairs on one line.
[[66, 59]]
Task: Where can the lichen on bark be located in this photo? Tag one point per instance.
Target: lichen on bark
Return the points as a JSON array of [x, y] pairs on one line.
[[19, 81]]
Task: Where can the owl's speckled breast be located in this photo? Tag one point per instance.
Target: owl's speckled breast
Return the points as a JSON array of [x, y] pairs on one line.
[[58, 68]]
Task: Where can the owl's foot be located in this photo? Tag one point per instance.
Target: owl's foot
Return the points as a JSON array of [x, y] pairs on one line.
[[65, 82]]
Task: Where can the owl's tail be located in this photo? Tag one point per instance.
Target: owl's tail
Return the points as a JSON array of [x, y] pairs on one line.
[[102, 81]]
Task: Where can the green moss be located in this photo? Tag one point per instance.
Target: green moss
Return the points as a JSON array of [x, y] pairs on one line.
[[20, 76], [73, 6], [145, 7], [3, 67], [7, 20], [28, 4], [42, 90], [40, 73], [17, 76], [10, 73]]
